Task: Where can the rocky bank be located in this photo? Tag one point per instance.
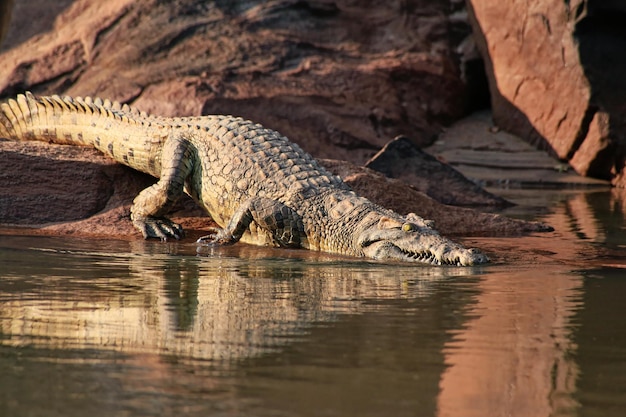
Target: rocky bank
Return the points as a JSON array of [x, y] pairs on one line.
[[341, 78]]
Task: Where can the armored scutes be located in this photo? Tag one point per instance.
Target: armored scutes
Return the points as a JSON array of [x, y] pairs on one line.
[[256, 184]]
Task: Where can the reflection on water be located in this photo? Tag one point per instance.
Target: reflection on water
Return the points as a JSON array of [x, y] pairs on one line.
[[212, 308], [145, 328], [514, 355]]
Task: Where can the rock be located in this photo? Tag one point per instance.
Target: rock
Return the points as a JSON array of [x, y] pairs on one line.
[[338, 77], [6, 10], [36, 178], [495, 158], [61, 190], [449, 220], [403, 160], [555, 71]]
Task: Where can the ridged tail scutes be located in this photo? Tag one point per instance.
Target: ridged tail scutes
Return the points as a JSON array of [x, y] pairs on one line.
[[54, 118], [125, 134], [27, 117], [14, 115]]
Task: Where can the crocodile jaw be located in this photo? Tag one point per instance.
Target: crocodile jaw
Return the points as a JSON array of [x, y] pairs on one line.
[[420, 244], [440, 255]]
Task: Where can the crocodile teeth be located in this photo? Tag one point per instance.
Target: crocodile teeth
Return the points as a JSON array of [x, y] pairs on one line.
[[426, 257]]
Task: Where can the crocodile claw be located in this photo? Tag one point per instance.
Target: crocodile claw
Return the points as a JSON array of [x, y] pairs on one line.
[[217, 236], [159, 227]]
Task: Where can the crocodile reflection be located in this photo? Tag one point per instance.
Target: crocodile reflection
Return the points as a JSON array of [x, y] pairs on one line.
[[216, 307]]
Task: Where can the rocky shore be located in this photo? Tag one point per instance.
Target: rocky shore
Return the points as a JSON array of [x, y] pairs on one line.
[[340, 78]]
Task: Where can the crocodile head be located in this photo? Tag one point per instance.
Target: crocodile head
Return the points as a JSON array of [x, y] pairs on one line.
[[412, 239]]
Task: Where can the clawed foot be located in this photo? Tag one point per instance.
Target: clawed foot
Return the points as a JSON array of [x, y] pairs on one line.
[[217, 236], [158, 227]]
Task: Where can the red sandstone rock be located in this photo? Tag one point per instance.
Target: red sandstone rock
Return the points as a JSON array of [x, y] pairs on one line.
[[538, 86], [556, 76], [339, 77]]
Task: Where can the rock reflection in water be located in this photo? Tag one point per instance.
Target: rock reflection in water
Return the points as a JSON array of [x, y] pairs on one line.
[[515, 356], [527, 314]]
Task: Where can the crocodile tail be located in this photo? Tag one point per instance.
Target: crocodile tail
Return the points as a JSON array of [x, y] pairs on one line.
[[54, 118], [16, 116], [29, 118], [41, 118], [117, 130]]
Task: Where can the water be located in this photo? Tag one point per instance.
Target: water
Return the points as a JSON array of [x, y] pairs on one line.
[[114, 328]]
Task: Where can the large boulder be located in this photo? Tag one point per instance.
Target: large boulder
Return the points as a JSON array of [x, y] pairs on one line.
[[339, 77], [556, 72], [401, 159]]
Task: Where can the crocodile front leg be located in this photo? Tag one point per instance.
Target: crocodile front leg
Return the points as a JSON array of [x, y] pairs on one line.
[[150, 206], [268, 217]]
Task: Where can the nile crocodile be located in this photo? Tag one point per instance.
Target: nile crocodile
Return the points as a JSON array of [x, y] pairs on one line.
[[258, 186]]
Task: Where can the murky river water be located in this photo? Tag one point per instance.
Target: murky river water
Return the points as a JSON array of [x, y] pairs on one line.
[[113, 328]]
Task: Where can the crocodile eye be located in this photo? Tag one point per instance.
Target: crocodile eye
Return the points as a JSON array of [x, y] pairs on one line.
[[409, 227]]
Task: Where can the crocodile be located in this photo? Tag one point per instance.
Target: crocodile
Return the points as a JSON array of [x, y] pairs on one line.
[[258, 187]]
